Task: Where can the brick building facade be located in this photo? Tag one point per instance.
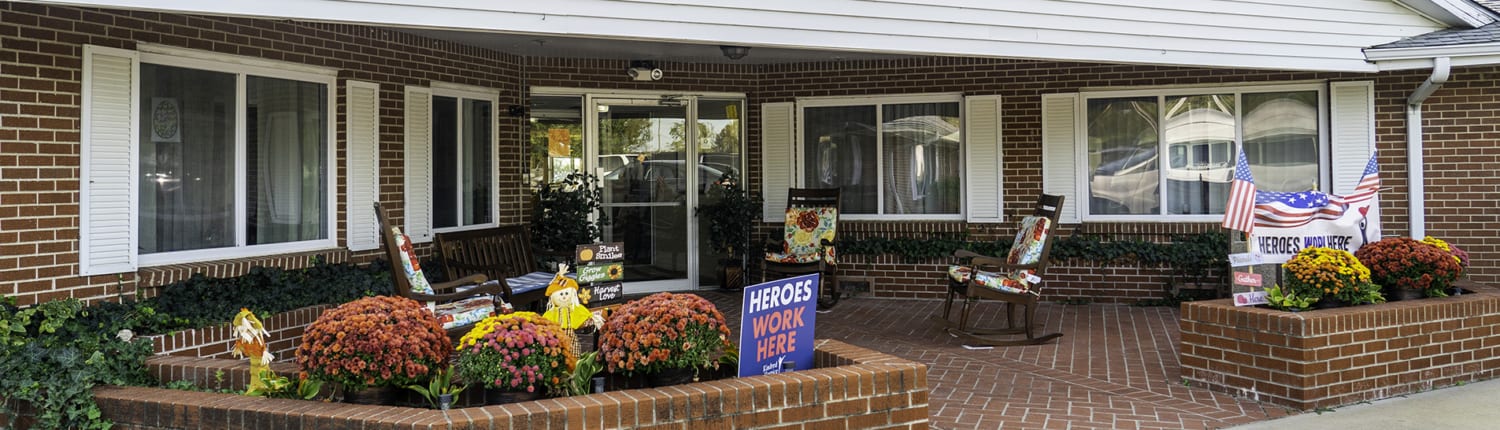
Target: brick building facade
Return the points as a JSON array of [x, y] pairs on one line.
[[41, 50]]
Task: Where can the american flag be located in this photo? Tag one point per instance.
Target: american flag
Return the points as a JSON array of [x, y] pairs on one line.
[[1239, 212], [1369, 183], [1287, 210]]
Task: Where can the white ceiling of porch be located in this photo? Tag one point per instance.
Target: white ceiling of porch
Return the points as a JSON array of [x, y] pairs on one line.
[[626, 49]]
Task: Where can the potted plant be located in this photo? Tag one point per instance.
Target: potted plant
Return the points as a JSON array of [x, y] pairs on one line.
[[516, 357], [567, 214], [730, 212], [377, 342], [1459, 255], [667, 337], [441, 391], [1332, 276], [1408, 269]]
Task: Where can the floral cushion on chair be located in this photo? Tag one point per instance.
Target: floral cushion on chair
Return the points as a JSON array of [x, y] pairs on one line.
[[464, 312], [806, 228], [409, 264], [1032, 237], [1019, 281], [1027, 249]]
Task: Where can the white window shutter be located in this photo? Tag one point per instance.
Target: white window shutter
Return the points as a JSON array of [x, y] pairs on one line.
[[1352, 135], [778, 156], [982, 162], [1059, 151], [418, 164], [361, 163], [107, 207]]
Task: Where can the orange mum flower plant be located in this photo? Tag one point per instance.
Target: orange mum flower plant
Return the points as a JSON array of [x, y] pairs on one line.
[[373, 342], [663, 331], [1402, 263]]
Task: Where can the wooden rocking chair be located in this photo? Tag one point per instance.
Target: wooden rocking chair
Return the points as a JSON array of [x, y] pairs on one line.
[[458, 304], [1014, 280], [811, 214]]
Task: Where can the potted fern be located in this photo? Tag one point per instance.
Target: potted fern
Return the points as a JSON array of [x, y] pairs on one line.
[[730, 212]]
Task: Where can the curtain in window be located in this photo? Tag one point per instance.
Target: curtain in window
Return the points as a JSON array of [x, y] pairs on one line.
[[477, 175], [285, 141], [840, 151], [920, 150], [1122, 139], [186, 159], [1281, 140], [1199, 131]]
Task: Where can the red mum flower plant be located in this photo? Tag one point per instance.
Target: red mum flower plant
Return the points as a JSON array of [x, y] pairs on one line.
[[664, 331], [374, 342], [1403, 263]]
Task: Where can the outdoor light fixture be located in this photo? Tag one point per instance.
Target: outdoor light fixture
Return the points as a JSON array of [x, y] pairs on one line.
[[734, 52]]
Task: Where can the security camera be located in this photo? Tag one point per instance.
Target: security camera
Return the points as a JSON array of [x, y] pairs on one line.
[[644, 73]]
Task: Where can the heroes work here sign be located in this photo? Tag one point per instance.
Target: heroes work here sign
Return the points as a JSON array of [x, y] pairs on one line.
[[776, 325]]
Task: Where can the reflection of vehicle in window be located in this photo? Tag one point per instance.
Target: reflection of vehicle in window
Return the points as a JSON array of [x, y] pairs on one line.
[[655, 180], [1125, 181], [611, 162]]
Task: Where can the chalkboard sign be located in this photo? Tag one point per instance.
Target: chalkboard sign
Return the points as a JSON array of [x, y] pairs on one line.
[[602, 294], [601, 272], [613, 251]]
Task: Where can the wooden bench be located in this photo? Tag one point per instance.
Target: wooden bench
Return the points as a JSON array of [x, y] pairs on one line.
[[502, 253]]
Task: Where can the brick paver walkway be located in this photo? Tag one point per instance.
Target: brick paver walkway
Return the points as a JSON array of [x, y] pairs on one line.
[[1114, 368]]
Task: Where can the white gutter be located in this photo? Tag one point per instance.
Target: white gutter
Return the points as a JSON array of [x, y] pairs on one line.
[[1417, 218]]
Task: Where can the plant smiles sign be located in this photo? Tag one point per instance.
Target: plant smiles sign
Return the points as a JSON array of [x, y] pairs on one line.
[[776, 325]]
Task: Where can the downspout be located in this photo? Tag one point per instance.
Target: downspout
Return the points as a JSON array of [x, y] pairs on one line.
[[1417, 219]]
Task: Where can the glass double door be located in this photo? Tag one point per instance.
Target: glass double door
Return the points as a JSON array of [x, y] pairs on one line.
[[657, 156]]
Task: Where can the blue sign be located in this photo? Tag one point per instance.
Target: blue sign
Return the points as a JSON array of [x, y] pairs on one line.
[[776, 326]]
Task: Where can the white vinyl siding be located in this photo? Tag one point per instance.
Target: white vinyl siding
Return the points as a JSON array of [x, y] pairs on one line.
[[1352, 112], [1321, 35], [777, 164], [1059, 152], [362, 163], [982, 160], [107, 212], [418, 172]]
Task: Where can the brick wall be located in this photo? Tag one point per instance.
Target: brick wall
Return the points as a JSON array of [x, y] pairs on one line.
[[39, 119], [39, 102], [284, 330], [851, 388], [1336, 357]]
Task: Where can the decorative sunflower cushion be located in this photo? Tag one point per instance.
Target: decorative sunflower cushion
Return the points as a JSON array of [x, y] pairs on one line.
[[1027, 249], [409, 264], [464, 312], [806, 229]]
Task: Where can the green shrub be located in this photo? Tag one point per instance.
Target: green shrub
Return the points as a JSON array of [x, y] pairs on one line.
[[200, 301], [53, 354]]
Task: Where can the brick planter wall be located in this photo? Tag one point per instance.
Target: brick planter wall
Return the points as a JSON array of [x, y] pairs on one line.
[[1335, 357], [285, 331], [851, 388]]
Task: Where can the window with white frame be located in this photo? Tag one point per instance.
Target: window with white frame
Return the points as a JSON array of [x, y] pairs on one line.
[[233, 158], [462, 159], [897, 156], [1171, 152]]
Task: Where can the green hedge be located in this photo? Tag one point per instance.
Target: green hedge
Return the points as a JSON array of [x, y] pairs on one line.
[[1188, 252], [201, 301]]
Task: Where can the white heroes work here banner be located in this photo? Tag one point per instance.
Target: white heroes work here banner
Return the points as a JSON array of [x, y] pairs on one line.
[[1357, 225]]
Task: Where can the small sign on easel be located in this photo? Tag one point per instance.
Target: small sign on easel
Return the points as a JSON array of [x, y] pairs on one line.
[[600, 270]]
